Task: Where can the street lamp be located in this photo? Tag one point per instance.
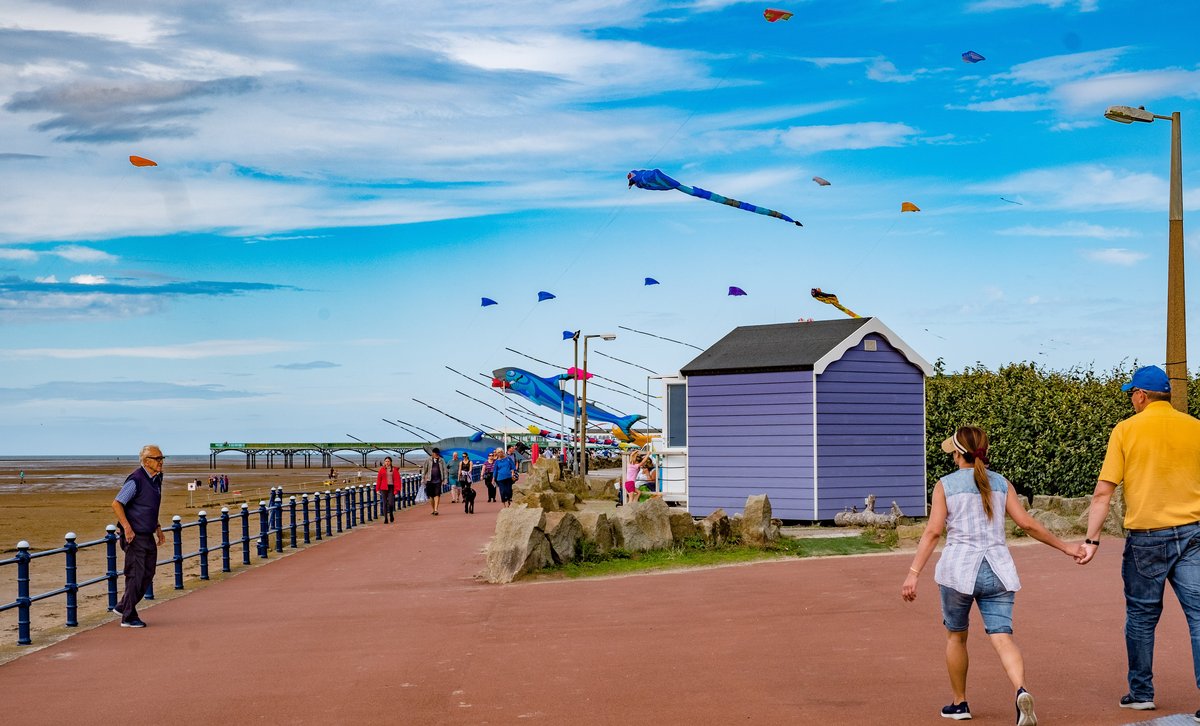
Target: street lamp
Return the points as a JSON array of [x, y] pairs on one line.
[[1176, 314], [583, 407]]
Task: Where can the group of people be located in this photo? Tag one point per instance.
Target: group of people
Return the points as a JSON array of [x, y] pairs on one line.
[[498, 473], [219, 483], [641, 479], [1155, 455]]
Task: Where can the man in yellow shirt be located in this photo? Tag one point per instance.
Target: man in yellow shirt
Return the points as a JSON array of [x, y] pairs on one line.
[[1156, 455]]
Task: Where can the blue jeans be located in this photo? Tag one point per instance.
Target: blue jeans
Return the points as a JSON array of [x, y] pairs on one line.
[[995, 604], [1152, 559]]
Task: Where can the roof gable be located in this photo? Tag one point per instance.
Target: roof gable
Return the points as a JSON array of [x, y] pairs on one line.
[[793, 346]]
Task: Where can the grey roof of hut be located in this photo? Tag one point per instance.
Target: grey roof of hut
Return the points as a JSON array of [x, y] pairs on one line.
[[792, 346]]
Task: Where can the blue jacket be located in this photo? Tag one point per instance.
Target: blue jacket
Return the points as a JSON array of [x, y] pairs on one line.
[[505, 468]]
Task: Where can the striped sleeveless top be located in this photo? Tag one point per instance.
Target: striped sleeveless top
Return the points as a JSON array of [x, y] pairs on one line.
[[971, 537]]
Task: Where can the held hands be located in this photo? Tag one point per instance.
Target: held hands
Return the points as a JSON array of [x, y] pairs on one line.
[[1086, 553]]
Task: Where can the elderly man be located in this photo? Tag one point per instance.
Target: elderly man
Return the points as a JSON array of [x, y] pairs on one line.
[[1156, 454], [136, 507]]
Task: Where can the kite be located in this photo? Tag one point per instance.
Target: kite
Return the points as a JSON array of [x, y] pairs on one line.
[[822, 182], [830, 299], [141, 161], [484, 302], [773, 15], [476, 437], [568, 335], [655, 180], [651, 281], [574, 372], [1011, 201], [634, 437], [544, 296], [547, 392], [736, 291], [972, 57], [909, 207]]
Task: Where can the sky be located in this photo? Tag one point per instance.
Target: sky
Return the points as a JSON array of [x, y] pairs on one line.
[[338, 186]]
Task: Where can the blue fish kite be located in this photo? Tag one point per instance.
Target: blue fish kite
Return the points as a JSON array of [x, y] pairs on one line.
[[547, 392], [651, 281], [475, 449], [657, 181], [568, 334], [544, 296], [487, 301], [736, 291], [972, 57]]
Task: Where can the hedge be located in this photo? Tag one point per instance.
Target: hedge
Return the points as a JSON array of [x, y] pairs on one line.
[[1048, 429]]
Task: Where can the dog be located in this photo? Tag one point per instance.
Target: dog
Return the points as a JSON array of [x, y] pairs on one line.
[[468, 494]]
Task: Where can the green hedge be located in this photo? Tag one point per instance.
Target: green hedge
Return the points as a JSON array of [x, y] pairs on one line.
[[1048, 429]]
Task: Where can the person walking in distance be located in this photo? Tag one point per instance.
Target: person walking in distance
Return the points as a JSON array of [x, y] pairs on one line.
[[1155, 454], [489, 476], [136, 506], [505, 470], [976, 566], [387, 481], [434, 474]]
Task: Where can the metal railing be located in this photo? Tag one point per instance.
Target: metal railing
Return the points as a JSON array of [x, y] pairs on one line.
[[336, 512]]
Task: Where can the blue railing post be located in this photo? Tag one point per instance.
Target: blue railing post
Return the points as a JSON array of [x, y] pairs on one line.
[[338, 493], [317, 512], [177, 536], [202, 516], [372, 503], [277, 513], [363, 509], [292, 522], [23, 601], [72, 586], [225, 539], [328, 514], [307, 525], [263, 530], [245, 515], [350, 508], [110, 547]]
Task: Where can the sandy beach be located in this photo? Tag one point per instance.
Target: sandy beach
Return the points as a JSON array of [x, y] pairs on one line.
[[74, 494]]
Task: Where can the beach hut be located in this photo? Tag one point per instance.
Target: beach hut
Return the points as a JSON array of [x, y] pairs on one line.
[[817, 415]]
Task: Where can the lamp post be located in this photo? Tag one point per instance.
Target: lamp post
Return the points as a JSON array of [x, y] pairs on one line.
[[575, 413], [583, 406], [1176, 313]]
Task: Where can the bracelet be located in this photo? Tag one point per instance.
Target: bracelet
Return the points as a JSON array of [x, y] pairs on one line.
[[914, 571], [1092, 542]]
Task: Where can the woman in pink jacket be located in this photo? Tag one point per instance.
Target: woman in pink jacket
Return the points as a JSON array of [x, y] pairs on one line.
[[386, 483]]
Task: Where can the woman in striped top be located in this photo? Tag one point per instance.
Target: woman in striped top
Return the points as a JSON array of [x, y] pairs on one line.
[[975, 566]]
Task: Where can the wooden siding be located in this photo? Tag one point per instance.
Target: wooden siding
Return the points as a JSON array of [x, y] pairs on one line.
[[871, 431], [750, 433]]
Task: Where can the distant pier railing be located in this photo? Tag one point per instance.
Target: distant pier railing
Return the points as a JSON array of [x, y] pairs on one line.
[[286, 453], [310, 516]]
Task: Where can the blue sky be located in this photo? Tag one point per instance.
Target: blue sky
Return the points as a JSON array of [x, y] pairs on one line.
[[339, 185]]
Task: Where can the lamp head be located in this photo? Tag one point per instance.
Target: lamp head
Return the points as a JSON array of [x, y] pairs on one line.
[[608, 336], [1128, 114]]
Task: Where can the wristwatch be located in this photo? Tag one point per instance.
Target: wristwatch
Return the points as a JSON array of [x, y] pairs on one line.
[[1092, 542]]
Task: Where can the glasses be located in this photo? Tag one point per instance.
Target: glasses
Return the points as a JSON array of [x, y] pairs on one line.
[[156, 458], [1133, 391]]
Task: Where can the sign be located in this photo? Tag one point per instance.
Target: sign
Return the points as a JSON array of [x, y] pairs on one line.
[[191, 486]]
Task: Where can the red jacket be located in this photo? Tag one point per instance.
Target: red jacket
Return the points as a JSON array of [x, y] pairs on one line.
[[381, 482]]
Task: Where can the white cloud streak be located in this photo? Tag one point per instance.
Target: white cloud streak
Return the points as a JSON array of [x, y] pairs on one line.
[[1069, 229], [180, 351], [1115, 256]]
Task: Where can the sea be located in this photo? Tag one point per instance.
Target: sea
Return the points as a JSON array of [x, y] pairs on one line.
[[84, 473]]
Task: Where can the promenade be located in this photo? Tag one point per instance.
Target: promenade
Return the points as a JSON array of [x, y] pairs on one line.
[[388, 625]]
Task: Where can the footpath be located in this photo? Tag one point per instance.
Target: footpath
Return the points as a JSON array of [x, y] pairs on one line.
[[390, 626]]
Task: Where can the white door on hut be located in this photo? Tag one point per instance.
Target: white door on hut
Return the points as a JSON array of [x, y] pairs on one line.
[[671, 449]]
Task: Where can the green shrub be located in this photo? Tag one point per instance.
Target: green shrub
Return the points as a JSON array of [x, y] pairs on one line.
[[1048, 429]]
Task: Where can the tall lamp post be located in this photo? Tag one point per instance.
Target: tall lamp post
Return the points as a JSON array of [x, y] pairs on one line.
[[575, 380], [1176, 313], [583, 406]]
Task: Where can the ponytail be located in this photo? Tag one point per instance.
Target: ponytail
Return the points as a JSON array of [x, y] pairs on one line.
[[975, 441]]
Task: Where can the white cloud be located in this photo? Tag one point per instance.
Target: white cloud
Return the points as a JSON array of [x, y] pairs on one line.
[[89, 279], [1027, 102], [1083, 6], [79, 253], [1144, 86], [1056, 69], [18, 255], [885, 71], [865, 135], [1115, 256], [1069, 229], [836, 61], [1074, 125], [1083, 187], [180, 351], [48, 279]]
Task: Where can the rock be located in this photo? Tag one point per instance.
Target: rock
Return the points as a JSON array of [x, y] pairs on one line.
[[644, 526], [1024, 500], [597, 529], [564, 501], [564, 532], [1055, 522], [682, 525], [776, 526], [1047, 502], [715, 528], [1114, 526], [735, 527], [533, 499], [910, 531], [519, 545], [548, 468], [756, 520], [1074, 506], [600, 489]]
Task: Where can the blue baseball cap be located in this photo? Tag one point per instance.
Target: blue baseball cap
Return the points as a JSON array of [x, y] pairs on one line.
[[1149, 378]]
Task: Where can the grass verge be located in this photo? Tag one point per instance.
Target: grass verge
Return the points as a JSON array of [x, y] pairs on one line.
[[694, 553]]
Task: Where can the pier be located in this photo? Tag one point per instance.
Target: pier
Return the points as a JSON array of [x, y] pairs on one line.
[[308, 451]]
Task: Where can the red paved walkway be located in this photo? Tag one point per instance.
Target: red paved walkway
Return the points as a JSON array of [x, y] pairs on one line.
[[387, 625]]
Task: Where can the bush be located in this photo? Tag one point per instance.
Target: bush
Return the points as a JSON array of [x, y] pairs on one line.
[[1048, 429]]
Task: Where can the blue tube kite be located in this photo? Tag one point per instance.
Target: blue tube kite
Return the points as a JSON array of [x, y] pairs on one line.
[[655, 180], [544, 296]]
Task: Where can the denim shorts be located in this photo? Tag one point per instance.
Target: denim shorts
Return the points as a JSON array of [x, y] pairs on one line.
[[995, 604]]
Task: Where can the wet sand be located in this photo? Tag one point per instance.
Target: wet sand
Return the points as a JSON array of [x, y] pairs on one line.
[[76, 494]]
